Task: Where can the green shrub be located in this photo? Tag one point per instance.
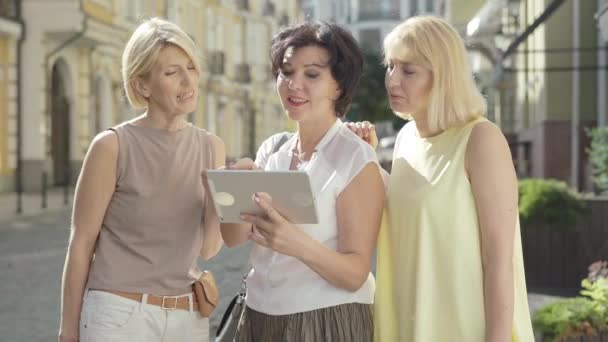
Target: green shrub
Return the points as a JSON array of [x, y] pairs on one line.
[[598, 156], [557, 319], [586, 315], [546, 202]]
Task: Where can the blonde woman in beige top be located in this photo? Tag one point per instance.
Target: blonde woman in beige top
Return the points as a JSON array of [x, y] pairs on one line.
[[140, 218]]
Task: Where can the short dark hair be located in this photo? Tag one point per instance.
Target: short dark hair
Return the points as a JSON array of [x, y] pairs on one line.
[[345, 56]]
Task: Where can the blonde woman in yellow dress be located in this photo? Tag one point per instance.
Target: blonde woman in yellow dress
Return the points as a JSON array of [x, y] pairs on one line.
[[450, 264]]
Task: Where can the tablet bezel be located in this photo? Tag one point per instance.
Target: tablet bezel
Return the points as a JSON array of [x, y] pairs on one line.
[[291, 194]]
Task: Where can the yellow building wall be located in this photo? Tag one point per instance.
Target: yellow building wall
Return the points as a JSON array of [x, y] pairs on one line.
[[4, 46], [462, 11], [84, 96], [99, 12]]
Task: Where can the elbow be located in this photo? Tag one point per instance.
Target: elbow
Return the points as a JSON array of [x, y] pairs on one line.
[[234, 235], [231, 241], [81, 244], [356, 282]]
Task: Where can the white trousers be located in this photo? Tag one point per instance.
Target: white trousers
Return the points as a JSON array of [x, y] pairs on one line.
[[108, 317]]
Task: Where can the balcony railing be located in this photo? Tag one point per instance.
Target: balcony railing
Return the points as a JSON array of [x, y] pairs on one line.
[[242, 73], [216, 62]]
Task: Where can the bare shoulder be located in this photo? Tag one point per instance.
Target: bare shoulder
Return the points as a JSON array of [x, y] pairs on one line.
[[216, 141], [486, 131], [105, 143], [486, 136], [101, 160], [487, 144]]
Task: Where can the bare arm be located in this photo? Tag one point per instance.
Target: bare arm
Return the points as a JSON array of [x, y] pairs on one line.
[[235, 234], [358, 224], [494, 183], [212, 238], [94, 190]]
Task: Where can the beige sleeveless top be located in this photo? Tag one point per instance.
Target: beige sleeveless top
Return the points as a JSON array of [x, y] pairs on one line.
[[151, 234]]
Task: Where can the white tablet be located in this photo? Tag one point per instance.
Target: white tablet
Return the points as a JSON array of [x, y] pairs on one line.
[[232, 192]]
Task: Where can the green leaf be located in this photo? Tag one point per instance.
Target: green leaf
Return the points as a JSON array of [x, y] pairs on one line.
[[598, 157]]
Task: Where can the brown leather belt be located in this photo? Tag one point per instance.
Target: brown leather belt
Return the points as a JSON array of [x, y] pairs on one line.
[[165, 302]]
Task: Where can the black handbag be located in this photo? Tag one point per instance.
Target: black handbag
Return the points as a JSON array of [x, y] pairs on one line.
[[226, 332]]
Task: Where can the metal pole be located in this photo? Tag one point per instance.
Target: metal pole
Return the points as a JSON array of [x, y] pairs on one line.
[[43, 192], [576, 76], [19, 170], [601, 78]]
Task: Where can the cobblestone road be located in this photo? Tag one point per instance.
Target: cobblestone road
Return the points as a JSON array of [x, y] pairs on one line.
[[32, 251]]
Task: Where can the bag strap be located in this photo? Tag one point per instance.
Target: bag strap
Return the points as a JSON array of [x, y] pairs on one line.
[[286, 136], [243, 290]]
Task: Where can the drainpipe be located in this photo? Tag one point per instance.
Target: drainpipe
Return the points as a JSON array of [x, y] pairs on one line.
[[19, 171], [576, 92], [48, 76], [602, 83], [546, 14]]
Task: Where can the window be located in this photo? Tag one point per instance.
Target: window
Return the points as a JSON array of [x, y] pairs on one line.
[[237, 32], [379, 9], [370, 39], [172, 11], [429, 6], [8, 8], [134, 9], [413, 7]]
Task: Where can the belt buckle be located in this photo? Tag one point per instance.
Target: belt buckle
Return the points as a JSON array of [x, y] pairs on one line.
[[165, 307]]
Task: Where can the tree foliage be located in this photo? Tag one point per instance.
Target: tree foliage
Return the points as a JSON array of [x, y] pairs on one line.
[[371, 101]]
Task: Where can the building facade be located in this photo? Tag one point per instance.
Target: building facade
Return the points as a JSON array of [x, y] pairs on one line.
[[543, 66], [10, 34], [66, 87], [369, 20]]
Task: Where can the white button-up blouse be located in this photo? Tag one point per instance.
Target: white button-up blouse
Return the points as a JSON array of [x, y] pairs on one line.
[[281, 284]]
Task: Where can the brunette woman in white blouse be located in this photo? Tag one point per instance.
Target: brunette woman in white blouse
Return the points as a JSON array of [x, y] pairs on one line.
[[313, 282]]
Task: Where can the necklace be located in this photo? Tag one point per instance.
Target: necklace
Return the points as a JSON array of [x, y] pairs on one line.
[[300, 157], [301, 161]]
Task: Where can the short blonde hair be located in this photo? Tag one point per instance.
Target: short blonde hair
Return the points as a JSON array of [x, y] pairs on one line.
[[434, 44], [143, 48]]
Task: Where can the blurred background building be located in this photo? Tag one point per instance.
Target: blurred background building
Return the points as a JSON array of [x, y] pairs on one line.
[[60, 77], [542, 65], [369, 20]]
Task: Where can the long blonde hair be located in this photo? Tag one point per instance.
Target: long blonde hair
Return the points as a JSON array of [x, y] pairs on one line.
[[143, 48], [434, 44]]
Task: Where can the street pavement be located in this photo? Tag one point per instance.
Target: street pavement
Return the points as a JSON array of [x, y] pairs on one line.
[[32, 252]]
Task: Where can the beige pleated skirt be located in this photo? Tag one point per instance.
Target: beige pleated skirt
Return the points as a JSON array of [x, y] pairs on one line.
[[342, 323]]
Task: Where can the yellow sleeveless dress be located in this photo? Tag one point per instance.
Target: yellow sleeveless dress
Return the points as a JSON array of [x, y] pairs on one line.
[[429, 283]]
